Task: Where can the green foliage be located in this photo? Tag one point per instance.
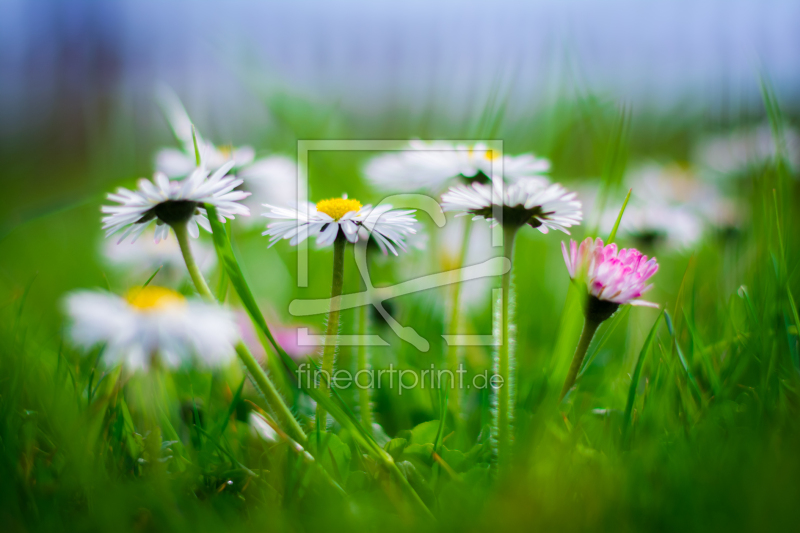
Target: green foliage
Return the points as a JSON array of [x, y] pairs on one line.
[[690, 423]]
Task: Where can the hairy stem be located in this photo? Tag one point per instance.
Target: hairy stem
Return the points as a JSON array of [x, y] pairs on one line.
[[199, 281], [332, 332], [505, 407], [589, 328], [364, 399], [258, 375]]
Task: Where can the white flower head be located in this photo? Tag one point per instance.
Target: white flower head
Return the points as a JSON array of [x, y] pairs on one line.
[[430, 165], [180, 162], [170, 202], [528, 201], [270, 179], [151, 324], [327, 219], [731, 154]]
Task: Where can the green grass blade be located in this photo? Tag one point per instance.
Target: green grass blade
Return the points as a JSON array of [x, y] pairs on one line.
[[637, 371], [613, 234], [146, 283]]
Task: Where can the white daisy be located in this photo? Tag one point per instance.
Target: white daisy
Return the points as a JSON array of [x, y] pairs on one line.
[[269, 179], [731, 154], [272, 179], [151, 324], [429, 165], [528, 201], [669, 207], [172, 202], [180, 162], [327, 219]]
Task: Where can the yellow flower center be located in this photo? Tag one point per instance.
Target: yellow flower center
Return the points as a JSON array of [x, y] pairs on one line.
[[151, 298], [226, 151], [336, 208], [488, 154]]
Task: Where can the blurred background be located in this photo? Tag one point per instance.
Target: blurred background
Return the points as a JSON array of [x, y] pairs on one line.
[[78, 79]]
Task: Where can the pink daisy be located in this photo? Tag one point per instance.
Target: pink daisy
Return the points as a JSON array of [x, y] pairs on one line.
[[615, 276]]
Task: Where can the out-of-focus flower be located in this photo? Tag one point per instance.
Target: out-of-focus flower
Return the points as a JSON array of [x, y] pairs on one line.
[[151, 324], [670, 207], [327, 219], [731, 154], [429, 165], [145, 255], [285, 336], [169, 202], [527, 201], [617, 277], [270, 179]]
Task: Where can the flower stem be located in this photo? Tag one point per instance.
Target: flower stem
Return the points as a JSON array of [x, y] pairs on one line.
[[273, 397], [589, 328], [505, 407], [332, 332], [194, 271], [364, 399], [453, 359], [258, 375]]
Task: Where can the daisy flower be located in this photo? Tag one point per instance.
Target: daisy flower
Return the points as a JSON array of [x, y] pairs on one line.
[[151, 324], [173, 202], [732, 154], [270, 178], [341, 217], [180, 162], [617, 277], [613, 278], [429, 165], [528, 201]]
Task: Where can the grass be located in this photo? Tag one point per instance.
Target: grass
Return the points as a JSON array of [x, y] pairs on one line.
[[687, 422]]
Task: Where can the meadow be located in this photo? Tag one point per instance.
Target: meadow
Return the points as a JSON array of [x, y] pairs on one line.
[[683, 417]]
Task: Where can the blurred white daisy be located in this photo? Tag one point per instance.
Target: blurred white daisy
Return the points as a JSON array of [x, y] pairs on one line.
[[180, 162], [172, 202], [656, 224], [327, 219], [143, 256], [670, 207], [730, 154], [429, 165], [151, 325], [528, 201], [269, 179]]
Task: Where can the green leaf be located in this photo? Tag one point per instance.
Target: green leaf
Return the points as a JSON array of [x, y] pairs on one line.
[[425, 433], [395, 447], [331, 453], [638, 370]]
